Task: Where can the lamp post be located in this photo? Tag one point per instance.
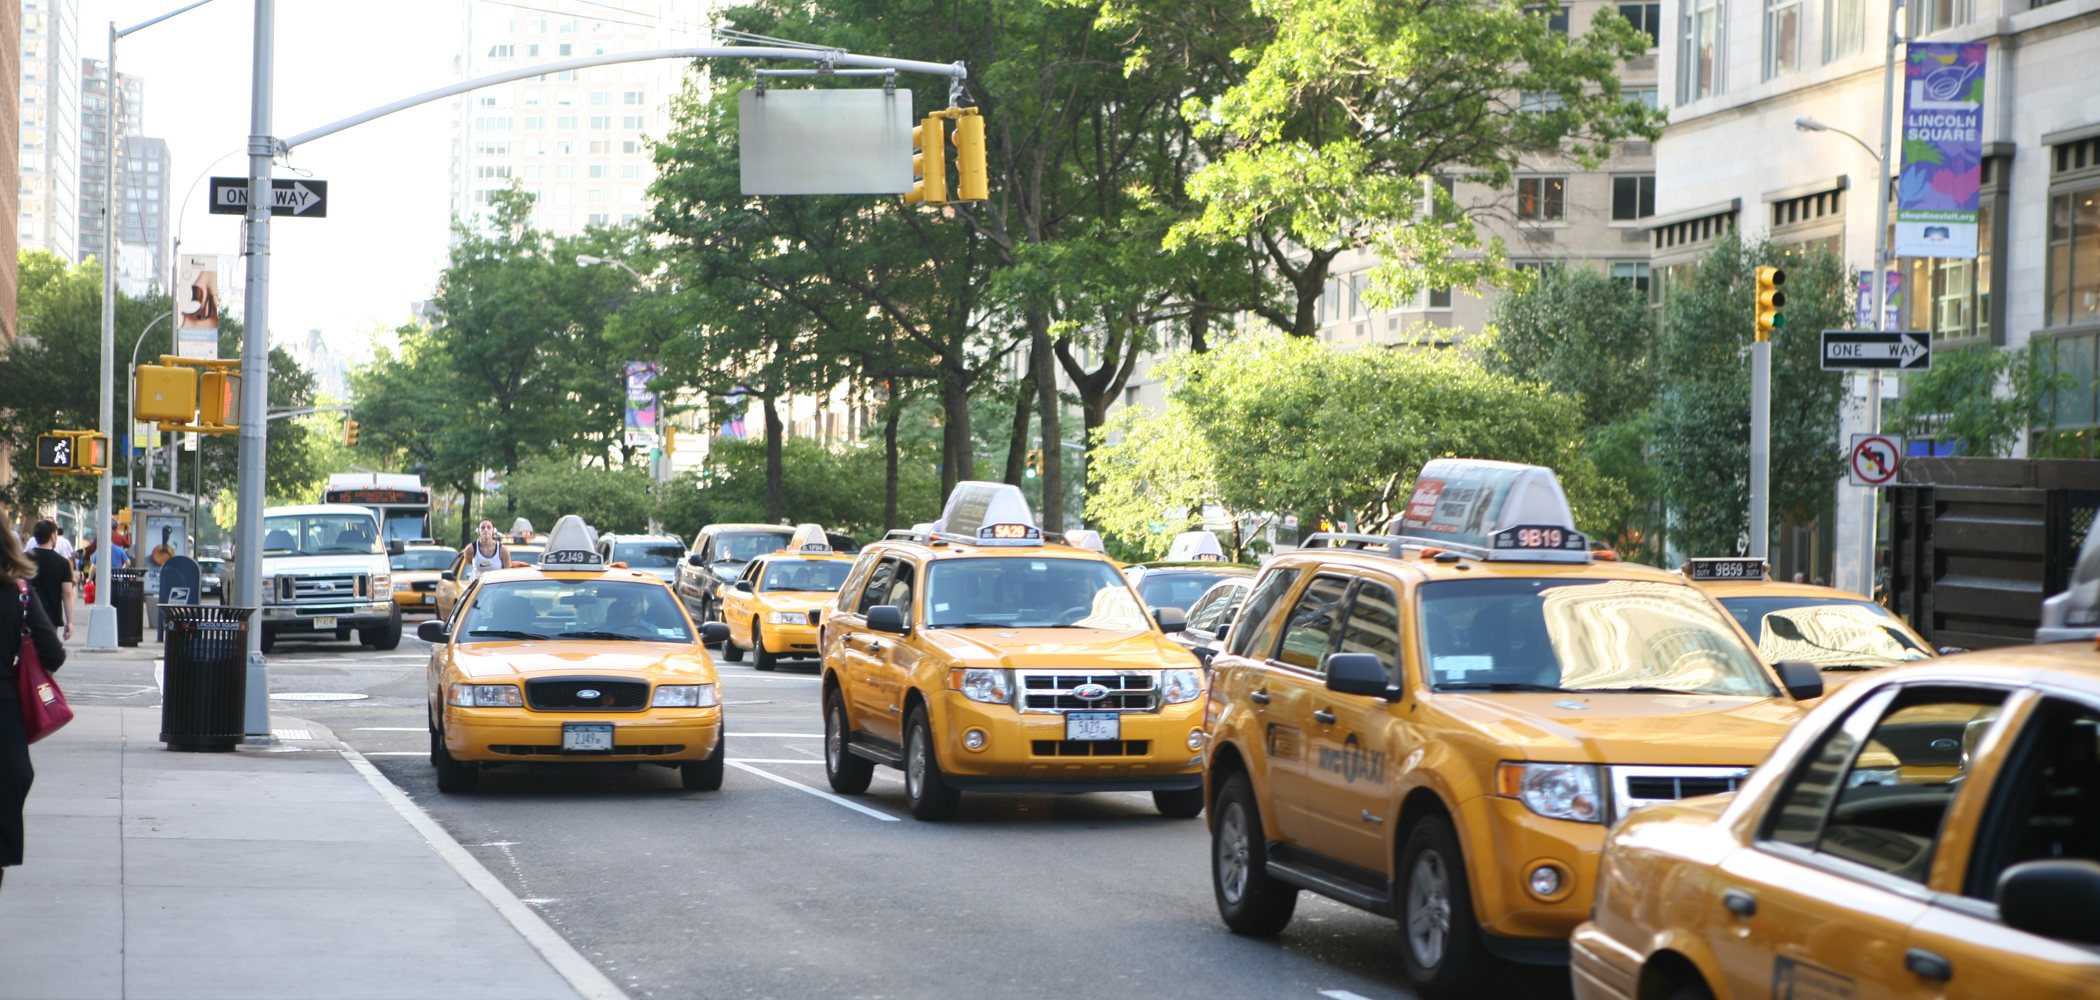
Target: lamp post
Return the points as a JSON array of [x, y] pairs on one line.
[[130, 476]]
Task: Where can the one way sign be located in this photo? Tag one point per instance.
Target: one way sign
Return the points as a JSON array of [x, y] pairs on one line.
[[1845, 350], [288, 196]]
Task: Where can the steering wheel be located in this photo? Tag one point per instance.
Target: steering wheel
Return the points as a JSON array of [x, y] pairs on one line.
[[1075, 613]]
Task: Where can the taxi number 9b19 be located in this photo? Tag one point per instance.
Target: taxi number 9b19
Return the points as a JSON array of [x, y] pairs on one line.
[[1540, 536]]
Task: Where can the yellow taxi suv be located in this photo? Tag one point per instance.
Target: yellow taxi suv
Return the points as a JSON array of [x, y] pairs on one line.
[[1928, 832], [773, 607], [416, 569], [1840, 632], [572, 662], [978, 657], [1439, 724]]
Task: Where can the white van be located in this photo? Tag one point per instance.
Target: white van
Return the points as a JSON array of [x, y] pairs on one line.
[[325, 575]]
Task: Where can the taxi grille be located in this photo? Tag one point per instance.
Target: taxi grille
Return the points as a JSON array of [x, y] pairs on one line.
[[1092, 748], [1637, 786], [566, 693], [1052, 692], [423, 586], [555, 750]]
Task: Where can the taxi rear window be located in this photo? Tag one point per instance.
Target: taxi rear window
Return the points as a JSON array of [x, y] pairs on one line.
[[609, 610], [804, 575], [1174, 588], [1582, 635], [1833, 633]]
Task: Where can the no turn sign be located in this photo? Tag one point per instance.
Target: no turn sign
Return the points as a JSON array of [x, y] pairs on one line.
[[1874, 459]]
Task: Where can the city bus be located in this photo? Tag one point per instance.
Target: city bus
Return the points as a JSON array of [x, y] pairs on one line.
[[400, 500]]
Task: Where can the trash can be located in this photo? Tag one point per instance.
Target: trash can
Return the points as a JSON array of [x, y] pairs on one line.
[[204, 694], [128, 593]]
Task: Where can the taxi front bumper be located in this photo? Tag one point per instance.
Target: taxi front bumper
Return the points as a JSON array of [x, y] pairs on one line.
[[1028, 752], [523, 736], [1505, 843], [789, 639]]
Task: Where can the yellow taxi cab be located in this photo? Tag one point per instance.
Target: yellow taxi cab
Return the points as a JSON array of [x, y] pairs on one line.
[[1840, 632], [455, 580], [979, 657], [1927, 832], [1438, 724], [416, 569], [772, 608], [572, 662], [1195, 561]]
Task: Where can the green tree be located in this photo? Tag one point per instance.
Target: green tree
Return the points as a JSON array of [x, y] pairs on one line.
[[1981, 400], [841, 489], [545, 487]]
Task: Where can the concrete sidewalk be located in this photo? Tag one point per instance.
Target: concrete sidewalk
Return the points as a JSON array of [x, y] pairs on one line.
[[270, 872]]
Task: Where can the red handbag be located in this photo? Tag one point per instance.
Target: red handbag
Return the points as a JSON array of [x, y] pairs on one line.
[[44, 708]]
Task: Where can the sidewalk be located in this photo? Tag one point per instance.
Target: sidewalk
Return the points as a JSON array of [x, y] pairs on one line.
[[268, 872]]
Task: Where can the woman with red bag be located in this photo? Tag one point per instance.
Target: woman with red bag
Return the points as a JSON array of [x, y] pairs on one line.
[[22, 619]]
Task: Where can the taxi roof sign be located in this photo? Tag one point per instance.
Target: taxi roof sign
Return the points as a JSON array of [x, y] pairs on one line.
[[810, 539], [982, 513], [1085, 538], [1491, 510], [1195, 546], [570, 545]]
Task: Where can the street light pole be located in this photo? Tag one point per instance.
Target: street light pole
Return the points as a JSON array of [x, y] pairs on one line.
[[1881, 278], [130, 474], [255, 369]]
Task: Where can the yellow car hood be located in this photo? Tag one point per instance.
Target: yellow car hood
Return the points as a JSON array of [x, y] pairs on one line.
[[671, 662], [1060, 649], [1626, 728]]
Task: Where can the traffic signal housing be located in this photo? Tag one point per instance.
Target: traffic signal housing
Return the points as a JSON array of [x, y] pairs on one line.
[[164, 393], [350, 433], [1769, 301], [217, 406], [929, 162], [1035, 463], [971, 178], [73, 453]]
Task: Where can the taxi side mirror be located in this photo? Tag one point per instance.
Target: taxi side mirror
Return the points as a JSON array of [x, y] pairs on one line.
[[436, 633], [743, 585], [449, 575], [1359, 673], [713, 633], [886, 618], [1170, 620], [1801, 679], [2056, 898], [695, 560]]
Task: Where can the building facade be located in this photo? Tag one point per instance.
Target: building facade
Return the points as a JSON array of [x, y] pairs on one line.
[[143, 262], [48, 208], [97, 115]]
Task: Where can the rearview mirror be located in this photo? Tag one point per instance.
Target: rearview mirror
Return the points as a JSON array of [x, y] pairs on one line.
[[1359, 673], [1170, 620], [743, 585], [395, 547], [2057, 898], [1803, 682], [886, 618], [435, 633]]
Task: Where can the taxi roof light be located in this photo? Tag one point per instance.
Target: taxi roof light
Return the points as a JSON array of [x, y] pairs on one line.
[[1195, 546], [1502, 511], [570, 545], [809, 539], [982, 513], [1085, 538]]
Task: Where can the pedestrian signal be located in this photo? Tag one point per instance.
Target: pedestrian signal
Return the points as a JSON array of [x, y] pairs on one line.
[[929, 162], [1769, 301], [164, 393], [79, 453]]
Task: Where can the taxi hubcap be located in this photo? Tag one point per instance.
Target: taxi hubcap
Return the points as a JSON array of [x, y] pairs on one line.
[[1232, 853], [1428, 909], [834, 738], [915, 768]]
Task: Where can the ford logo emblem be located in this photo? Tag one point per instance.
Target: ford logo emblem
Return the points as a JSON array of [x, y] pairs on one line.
[[1090, 692], [587, 693]]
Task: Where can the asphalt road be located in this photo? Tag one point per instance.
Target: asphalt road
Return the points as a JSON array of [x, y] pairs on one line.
[[772, 887]]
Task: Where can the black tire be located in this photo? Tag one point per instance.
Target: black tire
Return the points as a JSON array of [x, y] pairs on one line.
[[1696, 989], [731, 652], [849, 773], [1249, 901], [760, 659], [384, 637], [706, 775], [455, 777], [269, 640], [1185, 804], [926, 793], [1440, 941]]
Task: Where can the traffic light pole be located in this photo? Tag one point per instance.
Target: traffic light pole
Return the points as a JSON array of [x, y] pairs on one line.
[[1760, 446], [1872, 526]]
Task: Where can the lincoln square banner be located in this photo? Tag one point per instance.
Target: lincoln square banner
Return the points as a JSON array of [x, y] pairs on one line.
[[1939, 193]]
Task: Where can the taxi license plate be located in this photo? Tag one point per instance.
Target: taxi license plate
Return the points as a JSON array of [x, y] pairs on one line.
[[324, 624], [586, 737], [1093, 726]]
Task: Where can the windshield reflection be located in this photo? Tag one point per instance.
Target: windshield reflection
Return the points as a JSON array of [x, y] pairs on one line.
[[1832, 633], [1031, 593]]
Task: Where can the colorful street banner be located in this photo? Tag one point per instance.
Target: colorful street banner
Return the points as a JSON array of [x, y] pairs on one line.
[[197, 307], [1891, 313], [1940, 191], [641, 403]]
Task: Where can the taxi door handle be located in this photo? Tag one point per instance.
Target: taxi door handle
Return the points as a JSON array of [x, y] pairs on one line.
[[1740, 903], [1928, 965], [1324, 717], [1258, 697]]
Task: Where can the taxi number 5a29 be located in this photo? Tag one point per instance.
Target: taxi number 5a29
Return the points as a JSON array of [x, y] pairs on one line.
[[1093, 726], [587, 737]]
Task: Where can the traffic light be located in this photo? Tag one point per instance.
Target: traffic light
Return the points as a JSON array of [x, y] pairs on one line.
[[929, 162], [670, 440], [1769, 301], [970, 176], [1035, 463], [164, 393], [77, 453], [54, 452], [215, 400], [350, 433]]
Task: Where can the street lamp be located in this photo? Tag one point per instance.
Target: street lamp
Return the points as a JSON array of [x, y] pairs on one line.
[[1806, 124], [586, 260], [130, 472]]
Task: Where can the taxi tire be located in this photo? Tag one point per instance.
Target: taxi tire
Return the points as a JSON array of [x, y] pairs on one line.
[[706, 775], [849, 773], [1184, 804], [760, 659], [454, 777], [1464, 965], [930, 798], [732, 652], [1265, 905]]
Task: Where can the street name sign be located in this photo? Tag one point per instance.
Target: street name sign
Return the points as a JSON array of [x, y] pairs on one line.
[[1874, 459], [1849, 350], [288, 196], [824, 141]]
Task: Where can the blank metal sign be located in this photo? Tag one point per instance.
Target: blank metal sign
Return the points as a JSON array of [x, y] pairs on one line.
[[824, 141]]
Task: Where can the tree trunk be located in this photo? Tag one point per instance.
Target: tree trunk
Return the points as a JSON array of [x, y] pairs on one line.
[[958, 452], [1017, 442], [1095, 414], [1044, 365], [1199, 329], [889, 463], [774, 432]]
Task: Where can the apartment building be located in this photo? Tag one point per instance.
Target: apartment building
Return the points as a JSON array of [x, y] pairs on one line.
[[98, 115], [10, 151], [143, 260], [48, 204]]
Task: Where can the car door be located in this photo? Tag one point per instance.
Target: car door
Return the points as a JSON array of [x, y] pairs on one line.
[[860, 649], [893, 658], [1293, 676], [1823, 900], [1353, 741], [738, 605], [2043, 804], [449, 586]]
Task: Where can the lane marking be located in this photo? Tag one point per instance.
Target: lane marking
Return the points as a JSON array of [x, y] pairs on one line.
[[393, 729], [819, 793], [782, 736], [774, 760], [397, 753], [555, 950], [1342, 995]]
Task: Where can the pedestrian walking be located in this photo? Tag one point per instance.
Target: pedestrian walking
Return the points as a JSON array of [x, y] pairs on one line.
[[54, 577], [485, 553], [22, 619]]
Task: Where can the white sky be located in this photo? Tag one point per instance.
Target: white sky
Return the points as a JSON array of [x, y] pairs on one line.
[[384, 240]]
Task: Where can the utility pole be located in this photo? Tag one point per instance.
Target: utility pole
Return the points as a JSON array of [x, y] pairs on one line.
[[1881, 281], [255, 369]]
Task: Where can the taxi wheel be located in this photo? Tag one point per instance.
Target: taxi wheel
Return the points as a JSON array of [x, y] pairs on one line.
[[1249, 901], [455, 777], [926, 793], [1184, 804], [848, 772], [732, 652], [1440, 939], [706, 775], [760, 659]]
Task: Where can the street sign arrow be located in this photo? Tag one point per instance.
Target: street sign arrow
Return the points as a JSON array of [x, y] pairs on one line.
[[1907, 350], [288, 196]]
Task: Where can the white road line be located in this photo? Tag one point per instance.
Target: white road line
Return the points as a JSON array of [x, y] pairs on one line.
[[790, 736], [819, 793], [397, 753], [1342, 995], [775, 760], [393, 729]]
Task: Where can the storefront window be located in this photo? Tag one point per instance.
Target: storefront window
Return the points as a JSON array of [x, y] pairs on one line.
[[2074, 257], [1952, 296]]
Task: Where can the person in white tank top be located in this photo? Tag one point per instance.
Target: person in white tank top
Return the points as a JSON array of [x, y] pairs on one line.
[[485, 553]]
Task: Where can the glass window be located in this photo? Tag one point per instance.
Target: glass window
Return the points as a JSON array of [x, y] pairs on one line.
[[1927, 16], [601, 98], [1953, 295], [576, 609], [422, 560], [804, 575], [1440, 298], [1541, 199], [1833, 633], [1634, 272], [641, 554], [1556, 18], [1024, 592], [2074, 257], [1252, 622], [601, 121], [1174, 588], [1845, 30], [1309, 630], [1214, 607], [1645, 16], [902, 589], [1373, 626], [320, 535], [878, 588], [1632, 197], [2046, 803], [744, 546], [1699, 53], [1782, 37], [1646, 97], [2073, 401], [1539, 102], [631, 122]]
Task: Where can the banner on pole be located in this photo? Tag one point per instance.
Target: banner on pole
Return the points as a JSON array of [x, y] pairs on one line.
[[197, 307], [1866, 301], [1940, 190], [641, 403]]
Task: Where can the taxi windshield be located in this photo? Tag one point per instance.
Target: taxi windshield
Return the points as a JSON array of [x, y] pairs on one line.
[[1030, 593], [1834, 633], [744, 546], [574, 609], [804, 575], [1174, 588], [423, 560], [656, 555], [1582, 635]]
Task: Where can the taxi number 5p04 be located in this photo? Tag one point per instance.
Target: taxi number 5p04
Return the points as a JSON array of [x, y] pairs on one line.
[[586, 737], [1093, 726]]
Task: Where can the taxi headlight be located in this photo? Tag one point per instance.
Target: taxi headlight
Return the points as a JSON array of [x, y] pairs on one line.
[[485, 696], [684, 696], [403, 586], [990, 686], [786, 618], [1555, 791], [1180, 687]]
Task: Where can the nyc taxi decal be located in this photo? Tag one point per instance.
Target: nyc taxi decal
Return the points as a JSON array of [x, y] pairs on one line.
[[1352, 761]]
